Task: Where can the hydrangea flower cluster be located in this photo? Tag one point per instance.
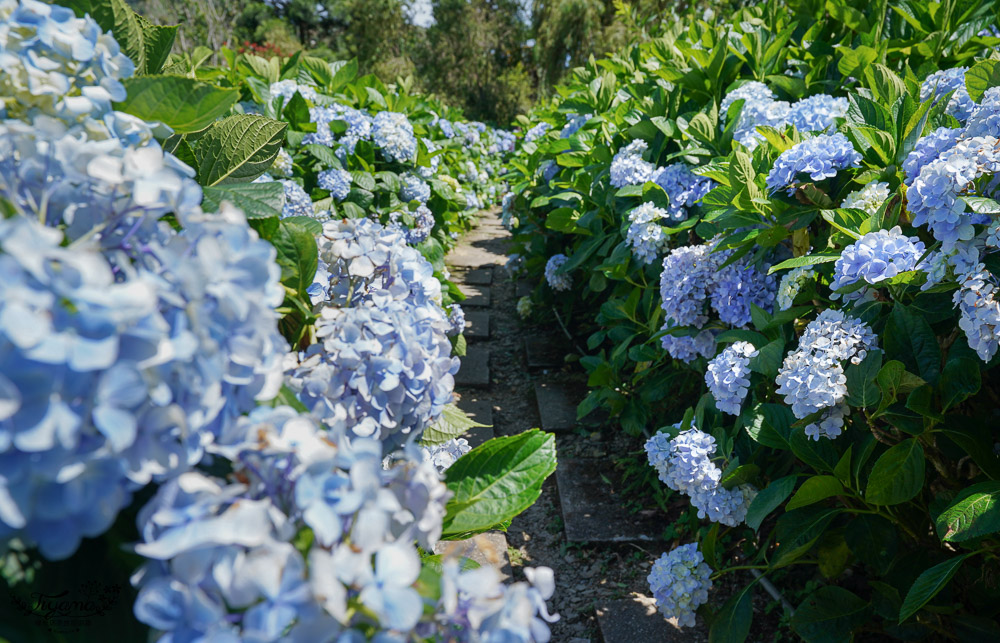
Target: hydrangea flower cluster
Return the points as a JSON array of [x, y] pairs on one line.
[[791, 285], [573, 124], [985, 120], [628, 167], [337, 181], [382, 366], [734, 288], [979, 311], [507, 215], [445, 454], [875, 257], [414, 189], [929, 148], [298, 203], [728, 374], [687, 348], [359, 126], [222, 564], [393, 135], [869, 198], [684, 283], [684, 464], [524, 307], [816, 113], [960, 105], [934, 196], [536, 132], [556, 280], [813, 114], [456, 319], [286, 89], [820, 157], [683, 187], [645, 234], [812, 376], [679, 581]]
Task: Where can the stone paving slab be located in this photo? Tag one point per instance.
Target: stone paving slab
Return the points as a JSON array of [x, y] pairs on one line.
[[475, 369], [637, 619], [477, 435], [592, 509], [523, 288], [545, 352], [489, 548], [479, 277], [481, 411], [476, 296], [477, 324], [557, 404], [466, 256]]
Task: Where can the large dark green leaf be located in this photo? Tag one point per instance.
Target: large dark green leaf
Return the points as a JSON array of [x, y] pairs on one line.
[[797, 531], [732, 623], [898, 475], [769, 499], [238, 149], [973, 513], [982, 76], [873, 540], [830, 615], [496, 481], [862, 390], [909, 338], [257, 200], [183, 104], [297, 255], [815, 489], [928, 584]]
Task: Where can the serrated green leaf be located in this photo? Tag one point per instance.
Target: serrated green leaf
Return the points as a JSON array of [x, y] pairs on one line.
[[238, 149], [808, 260], [148, 45], [973, 513], [830, 615], [453, 423], [898, 474], [297, 255], [183, 104], [928, 584], [982, 76], [257, 200]]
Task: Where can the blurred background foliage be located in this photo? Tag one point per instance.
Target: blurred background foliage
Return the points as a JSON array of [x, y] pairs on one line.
[[493, 58]]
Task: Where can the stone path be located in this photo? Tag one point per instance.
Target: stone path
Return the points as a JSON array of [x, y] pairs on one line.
[[513, 379]]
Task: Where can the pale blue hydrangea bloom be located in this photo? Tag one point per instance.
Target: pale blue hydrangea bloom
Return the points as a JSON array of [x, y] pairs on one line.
[[337, 181], [791, 285], [549, 170], [359, 126], [297, 201], [443, 455], [414, 189], [683, 187], [628, 167], [728, 375], [431, 170], [820, 157], [688, 348], [817, 113], [556, 280], [286, 90], [687, 275], [456, 319], [812, 376], [536, 132], [934, 197], [573, 124], [875, 257], [960, 105], [684, 464], [679, 581], [423, 225], [507, 216], [985, 119], [446, 128], [759, 109], [393, 135], [869, 198], [929, 148], [735, 287], [645, 234], [979, 310]]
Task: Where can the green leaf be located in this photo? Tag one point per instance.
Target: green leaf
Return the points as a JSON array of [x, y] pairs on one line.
[[818, 454], [898, 475], [770, 424], [343, 73], [739, 475], [797, 531], [960, 380], [830, 615], [973, 513], [928, 584], [768, 500], [982, 205], [862, 391], [183, 104], [257, 200], [909, 338], [768, 359], [732, 623], [148, 45], [496, 481], [982, 76], [297, 255], [452, 424], [238, 149], [873, 540], [826, 256], [815, 489]]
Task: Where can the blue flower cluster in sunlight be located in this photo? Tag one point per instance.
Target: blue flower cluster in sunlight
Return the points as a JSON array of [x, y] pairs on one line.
[[393, 135], [337, 181], [683, 187], [286, 89], [414, 189], [875, 257], [985, 119], [536, 132], [960, 105], [645, 234], [816, 113], [819, 157], [869, 198], [628, 167], [979, 310], [456, 319], [929, 148], [727, 376], [734, 288], [791, 285], [573, 124], [812, 377], [679, 581]]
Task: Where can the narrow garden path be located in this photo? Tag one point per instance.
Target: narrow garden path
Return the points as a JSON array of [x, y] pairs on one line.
[[515, 377]]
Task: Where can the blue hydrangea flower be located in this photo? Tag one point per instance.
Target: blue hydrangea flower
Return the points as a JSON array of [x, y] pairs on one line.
[[337, 181], [446, 128], [683, 187], [283, 163], [759, 109], [536, 132], [728, 374], [679, 581], [812, 377], [423, 224], [549, 170], [688, 348], [875, 257], [628, 167], [297, 201], [456, 318], [817, 113], [393, 135], [929, 148], [791, 285], [443, 455], [573, 124], [645, 234], [960, 105], [733, 288], [684, 464], [414, 189], [286, 89], [687, 273], [557, 281], [979, 311], [820, 157], [985, 119]]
